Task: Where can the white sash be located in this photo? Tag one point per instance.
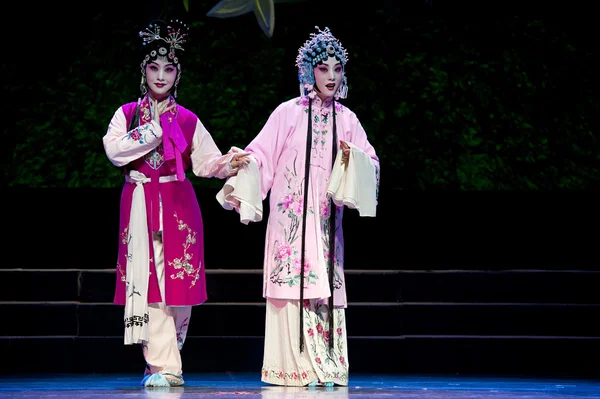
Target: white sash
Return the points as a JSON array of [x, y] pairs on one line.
[[138, 257]]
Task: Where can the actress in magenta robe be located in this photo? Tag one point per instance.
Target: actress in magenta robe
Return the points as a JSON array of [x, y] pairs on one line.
[[160, 271]]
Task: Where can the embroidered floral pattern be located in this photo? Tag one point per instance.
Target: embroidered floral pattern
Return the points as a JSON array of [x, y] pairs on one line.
[[155, 158], [125, 236], [325, 207], [181, 332], [303, 101], [289, 378], [145, 112], [140, 134], [286, 255], [332, 363], [121, 272], [183, 265], [329, 365], [320, 122], [319, 130]]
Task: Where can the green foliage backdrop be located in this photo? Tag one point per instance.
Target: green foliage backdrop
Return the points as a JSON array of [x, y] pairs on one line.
[[502, 104]]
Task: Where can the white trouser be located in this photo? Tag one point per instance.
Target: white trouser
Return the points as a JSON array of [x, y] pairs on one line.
[[167, 325]]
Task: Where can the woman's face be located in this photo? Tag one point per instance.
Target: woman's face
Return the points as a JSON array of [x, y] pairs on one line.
[[328, 77], [160, 76]]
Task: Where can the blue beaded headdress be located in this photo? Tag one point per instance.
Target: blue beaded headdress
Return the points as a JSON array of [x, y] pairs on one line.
[[317, 49]]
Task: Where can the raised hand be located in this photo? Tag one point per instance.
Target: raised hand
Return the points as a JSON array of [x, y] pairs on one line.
[[160, 109]]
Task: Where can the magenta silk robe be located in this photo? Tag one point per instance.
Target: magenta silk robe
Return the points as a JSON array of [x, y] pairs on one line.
[[180, 216], [280, 151]]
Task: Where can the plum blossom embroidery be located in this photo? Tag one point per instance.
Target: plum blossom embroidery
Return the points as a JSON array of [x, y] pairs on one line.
[[125, 236], [183, 265], [121, 272]]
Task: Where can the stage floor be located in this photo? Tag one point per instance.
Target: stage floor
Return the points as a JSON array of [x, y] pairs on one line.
[[248, 385]]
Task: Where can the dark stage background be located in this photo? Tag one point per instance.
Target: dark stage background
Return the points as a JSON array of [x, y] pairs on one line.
[[483, 257]]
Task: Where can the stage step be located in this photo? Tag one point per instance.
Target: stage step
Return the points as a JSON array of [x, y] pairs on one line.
[[524, 356], [385, 320], [398, 321]]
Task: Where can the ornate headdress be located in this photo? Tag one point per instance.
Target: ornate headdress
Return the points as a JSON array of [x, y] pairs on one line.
[[161, 39], [317, 49]]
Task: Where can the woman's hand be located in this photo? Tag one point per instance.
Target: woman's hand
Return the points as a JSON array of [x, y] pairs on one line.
[[160, 109], [239, 159], [346, 152]]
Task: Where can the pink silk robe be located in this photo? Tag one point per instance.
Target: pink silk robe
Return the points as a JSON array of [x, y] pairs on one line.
[[280, 151], [180, 218]]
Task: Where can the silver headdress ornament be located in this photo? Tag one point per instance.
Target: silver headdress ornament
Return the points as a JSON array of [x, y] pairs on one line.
[[161, 39], [317, 49]]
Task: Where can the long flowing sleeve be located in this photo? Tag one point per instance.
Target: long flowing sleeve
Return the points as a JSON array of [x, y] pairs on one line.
[[207, 159], [356, 185], [267, 147], [122, 146], [358, 137]]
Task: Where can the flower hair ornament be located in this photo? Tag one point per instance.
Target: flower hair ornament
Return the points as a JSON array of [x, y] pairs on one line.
[[321, 45], [162, 39]]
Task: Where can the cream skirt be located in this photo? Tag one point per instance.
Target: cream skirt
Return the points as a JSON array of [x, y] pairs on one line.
[[284, 364]]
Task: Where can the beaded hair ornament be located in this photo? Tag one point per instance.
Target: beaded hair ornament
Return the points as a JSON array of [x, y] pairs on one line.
[[161, 39], [316, 50]]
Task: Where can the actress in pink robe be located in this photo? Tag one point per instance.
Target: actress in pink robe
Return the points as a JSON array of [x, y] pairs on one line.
[[295, 152], [160, 271]]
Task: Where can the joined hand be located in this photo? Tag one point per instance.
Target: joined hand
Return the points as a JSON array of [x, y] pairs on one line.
[[346, 152]]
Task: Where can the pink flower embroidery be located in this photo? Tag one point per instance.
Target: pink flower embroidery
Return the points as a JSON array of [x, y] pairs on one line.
[[325, 209], [284, 252], [297, 266], [298, 206], [286, 201]]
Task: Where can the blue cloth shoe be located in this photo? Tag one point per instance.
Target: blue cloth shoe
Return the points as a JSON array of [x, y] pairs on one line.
[[155, 380]]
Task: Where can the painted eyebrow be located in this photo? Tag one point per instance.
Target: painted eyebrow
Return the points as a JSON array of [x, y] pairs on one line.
[[166, 65]]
